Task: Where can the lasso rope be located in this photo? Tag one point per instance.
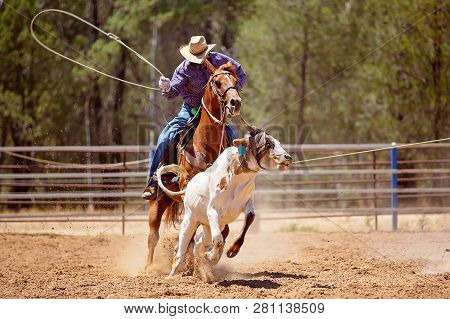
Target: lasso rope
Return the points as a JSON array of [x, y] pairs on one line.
[[53, 163], [108, 34], [371, 151], [117, 39]]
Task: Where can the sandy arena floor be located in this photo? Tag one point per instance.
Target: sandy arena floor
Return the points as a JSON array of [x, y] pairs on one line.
[[270, 265]]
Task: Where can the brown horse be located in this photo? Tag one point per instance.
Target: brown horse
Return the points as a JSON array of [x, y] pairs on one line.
[[221, 100]]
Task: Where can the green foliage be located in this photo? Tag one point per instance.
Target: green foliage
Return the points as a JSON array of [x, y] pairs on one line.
[[394, 90]]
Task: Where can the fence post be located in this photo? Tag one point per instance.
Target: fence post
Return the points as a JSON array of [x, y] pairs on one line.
[[374, 176], [89, 171], [124, 186], [394, 187]]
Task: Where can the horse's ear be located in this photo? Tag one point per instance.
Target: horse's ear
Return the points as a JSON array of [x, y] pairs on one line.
[[211, 68], [240, 141], [228, 67]]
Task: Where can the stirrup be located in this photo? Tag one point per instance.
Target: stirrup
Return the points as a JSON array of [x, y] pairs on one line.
[[151, 193]]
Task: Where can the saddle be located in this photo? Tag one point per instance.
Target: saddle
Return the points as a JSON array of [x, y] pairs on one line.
[[185, 141], [177, 153], [185, 144]]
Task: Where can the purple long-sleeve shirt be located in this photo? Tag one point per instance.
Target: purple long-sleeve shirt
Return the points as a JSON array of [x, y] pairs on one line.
[[189, 79]]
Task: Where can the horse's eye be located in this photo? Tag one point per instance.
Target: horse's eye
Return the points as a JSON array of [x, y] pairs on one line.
[[218, 84]]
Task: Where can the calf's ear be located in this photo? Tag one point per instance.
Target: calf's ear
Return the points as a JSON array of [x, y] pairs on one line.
[[240, 141]]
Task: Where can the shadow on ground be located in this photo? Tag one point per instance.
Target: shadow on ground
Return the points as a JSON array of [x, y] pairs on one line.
[[276, 275], [252, 283]]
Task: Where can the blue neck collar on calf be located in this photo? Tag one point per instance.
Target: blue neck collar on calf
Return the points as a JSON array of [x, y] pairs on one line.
[[242, 150]]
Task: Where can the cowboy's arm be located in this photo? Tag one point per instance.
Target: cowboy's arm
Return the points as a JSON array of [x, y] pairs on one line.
[[240, 73], [177, 82]]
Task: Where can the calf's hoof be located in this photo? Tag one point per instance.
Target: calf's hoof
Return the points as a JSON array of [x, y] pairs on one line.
[[172, 275], [212, 256], [233, 250]]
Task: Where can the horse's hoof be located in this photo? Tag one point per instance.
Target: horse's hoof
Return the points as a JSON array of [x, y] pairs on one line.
[[204, 272], [233, 251]]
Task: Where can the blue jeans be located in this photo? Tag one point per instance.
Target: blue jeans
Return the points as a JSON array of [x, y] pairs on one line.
[[168, 136]]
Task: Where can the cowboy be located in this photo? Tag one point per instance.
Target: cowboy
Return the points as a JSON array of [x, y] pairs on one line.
[[189, 80]]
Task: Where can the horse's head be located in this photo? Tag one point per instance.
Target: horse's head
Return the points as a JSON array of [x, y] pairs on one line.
[[223, 82]]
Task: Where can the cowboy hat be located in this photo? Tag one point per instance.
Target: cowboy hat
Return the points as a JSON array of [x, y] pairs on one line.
[[196, 50]]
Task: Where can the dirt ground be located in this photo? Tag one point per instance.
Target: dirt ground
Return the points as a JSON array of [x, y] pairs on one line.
[[270, 265]]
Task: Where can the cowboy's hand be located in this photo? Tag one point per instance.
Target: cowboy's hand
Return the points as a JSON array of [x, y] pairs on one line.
[[164, 84]]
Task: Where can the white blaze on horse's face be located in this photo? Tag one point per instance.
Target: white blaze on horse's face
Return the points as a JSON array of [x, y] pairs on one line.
[[226, 85], [233, 103], [276, 158]]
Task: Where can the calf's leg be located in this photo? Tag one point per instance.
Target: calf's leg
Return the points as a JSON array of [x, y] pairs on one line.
[[217, 239], [239, 241], [187, 230], [225, 232], [203, 265]]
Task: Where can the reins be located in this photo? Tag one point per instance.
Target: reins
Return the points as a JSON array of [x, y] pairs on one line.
[[213, 118]]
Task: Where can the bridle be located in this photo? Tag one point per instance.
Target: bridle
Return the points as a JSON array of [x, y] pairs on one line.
[[216, 89], [221, 96], [223, 107]]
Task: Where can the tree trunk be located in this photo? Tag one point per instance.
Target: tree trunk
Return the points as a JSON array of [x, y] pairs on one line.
[[95, 100], [302, 103], [115, 102], [439, 108], [153, 118], [4, 131], [92, 18], [437, 70]]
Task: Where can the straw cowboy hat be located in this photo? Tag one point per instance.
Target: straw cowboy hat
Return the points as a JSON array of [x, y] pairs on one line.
[[196, 50]]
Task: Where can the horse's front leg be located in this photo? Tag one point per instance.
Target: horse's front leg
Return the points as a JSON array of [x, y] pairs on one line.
[[155, 212], [216, 233], [239, 241]]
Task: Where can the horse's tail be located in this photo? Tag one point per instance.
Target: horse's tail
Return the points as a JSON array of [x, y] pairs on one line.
[[173, 213]]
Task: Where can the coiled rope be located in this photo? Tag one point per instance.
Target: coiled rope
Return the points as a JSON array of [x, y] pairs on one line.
[[108, 34]]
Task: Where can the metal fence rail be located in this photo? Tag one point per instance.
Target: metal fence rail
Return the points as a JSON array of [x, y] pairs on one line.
[[410, 180]]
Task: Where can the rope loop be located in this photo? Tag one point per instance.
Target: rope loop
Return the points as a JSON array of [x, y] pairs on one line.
[[108, 34]]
